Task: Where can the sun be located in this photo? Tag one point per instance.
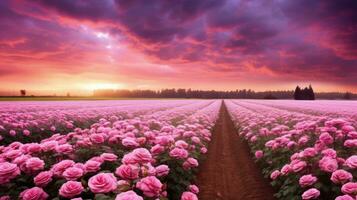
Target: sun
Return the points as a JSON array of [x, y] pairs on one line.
[[102, 86]]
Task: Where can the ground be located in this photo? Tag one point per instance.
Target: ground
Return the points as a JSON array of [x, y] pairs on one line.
[[229, 172]]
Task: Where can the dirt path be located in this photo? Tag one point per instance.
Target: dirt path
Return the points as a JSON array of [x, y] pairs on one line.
[[229, 172]]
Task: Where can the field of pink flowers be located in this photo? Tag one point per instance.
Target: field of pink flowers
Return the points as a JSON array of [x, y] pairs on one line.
[[103, 149], [308, 149]]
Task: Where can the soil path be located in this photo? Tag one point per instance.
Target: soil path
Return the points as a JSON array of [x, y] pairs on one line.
[[229, 172]]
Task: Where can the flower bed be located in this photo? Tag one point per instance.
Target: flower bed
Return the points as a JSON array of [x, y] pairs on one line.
[[306, 156], [138, 158]]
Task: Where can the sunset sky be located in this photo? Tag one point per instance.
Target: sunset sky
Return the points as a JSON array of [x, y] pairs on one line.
[[65, 45]]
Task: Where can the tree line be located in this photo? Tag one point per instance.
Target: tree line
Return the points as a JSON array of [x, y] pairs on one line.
[[304, 94]]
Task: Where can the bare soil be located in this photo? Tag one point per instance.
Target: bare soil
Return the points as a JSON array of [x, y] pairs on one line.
[[229, 171]]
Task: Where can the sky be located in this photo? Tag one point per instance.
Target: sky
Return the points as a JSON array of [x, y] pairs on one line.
[[64, 45]]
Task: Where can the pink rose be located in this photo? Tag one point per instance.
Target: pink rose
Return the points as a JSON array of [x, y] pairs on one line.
[[312, 193], [8, 171], [59, 168], [309, 152], [286, 169], [298, 166], [350, 143], [12, 132], [178, 153], [344, 197], [92, 166], [349, 188], [329, 153], [259, 154], [326, 138], [157, 149], [351, 162], [71, 189], [128, 171], [129, 195], [102, 183], [142, 155], [130, 142], [162, 170], [110, 157], [328, 164], [34, 193], [150, 185], [190, 163], [26, 132], [97, 138], [7, 197], [43, 178], [64, 148], [188, 196], [275, 174], [341, 176], [35, 164], [193, 189], [307, 180], [203, 150], [73, 173]]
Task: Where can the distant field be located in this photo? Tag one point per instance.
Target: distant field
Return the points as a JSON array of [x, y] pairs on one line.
[[71, 98]]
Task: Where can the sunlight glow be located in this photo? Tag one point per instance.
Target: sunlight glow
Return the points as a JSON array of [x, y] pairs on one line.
[[99, 86]]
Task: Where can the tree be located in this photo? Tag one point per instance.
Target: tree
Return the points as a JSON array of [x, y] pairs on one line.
[[347, 96], [304, 94], [23, 92], [311, 94], [297, 93]]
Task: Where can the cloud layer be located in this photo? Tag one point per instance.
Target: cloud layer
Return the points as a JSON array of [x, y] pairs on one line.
[[173, 43]]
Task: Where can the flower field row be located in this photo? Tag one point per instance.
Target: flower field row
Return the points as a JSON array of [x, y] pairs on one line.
[[308, 154], [149, 155], [18, 120]]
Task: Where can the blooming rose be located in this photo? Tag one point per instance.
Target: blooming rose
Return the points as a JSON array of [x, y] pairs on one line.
[[188, 196], [8, 171], [286, 169], [43, 178], [110, 157], [59, 168], [129, 195], [190, 163], [193, 189], [92, 166], [298, 166], [150, 185], [344, 197], [35, 164], [312, 193], [102, 183], [97, 138], [162, 170], [128, 171], [71, 189], [275, 174], [34, 193], [259, 154], [178, 153], [351, 162], [341, 176], [307, 180], [73, 173], [328, 164], [142, 155], [326, 138], [349, 188]]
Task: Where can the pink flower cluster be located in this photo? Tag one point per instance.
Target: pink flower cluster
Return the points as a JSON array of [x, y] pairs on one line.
[[320, 145], [113, 156]]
